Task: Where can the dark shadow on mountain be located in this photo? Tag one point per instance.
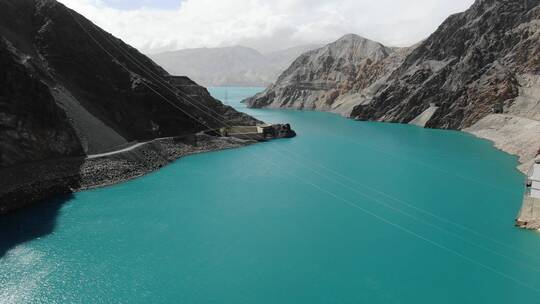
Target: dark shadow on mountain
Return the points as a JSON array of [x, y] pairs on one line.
[[29, 223]]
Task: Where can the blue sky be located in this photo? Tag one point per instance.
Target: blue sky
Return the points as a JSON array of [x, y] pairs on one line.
[[135, 4]]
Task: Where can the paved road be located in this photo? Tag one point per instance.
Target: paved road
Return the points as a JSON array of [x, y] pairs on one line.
[[117, 151], [132, 147]]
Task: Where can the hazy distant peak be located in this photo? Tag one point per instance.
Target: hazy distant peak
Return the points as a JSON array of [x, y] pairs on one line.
[[236, 48], [230, 66], [225, 49], [301, 49]]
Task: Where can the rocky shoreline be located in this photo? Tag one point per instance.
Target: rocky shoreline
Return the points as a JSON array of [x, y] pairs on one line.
[[506, 138], [117, 168], [28, 183], [40, 181]]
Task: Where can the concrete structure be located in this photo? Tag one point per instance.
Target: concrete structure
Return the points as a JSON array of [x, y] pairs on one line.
[[534, 179], [262, 129], [529, 216], [258, 133], [246, 132]]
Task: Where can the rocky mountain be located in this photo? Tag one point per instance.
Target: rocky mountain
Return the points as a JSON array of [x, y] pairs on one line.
[[229, 66], [282, 59], [69, 89], [329, 78], [479, 71], [467, 68]]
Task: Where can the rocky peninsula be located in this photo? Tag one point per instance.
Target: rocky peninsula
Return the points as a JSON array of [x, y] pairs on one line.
[[28, 183]]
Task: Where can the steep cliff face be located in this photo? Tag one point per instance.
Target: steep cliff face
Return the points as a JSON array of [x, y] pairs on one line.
[[62, 76], [32, 126], [333, 77], [469, 68]]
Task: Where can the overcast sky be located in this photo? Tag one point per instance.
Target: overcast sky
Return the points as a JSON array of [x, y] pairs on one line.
[[161, 25]]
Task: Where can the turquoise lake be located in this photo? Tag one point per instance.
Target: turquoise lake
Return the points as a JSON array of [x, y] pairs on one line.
[[347, 212]]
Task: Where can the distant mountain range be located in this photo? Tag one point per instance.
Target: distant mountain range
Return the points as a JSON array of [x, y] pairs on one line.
[[230, 66]]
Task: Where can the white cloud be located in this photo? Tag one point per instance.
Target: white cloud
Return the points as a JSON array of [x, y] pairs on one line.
[[269, 25]]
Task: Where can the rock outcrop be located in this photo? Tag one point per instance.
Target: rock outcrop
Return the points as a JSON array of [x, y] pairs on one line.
[[69, 89], [281, 131]]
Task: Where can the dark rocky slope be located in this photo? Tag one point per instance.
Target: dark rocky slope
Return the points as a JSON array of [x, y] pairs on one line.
[[30, 130], [105, 87], [69, 89]]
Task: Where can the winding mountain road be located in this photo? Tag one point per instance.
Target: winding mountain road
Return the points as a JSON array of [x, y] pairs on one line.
[[93, 156]]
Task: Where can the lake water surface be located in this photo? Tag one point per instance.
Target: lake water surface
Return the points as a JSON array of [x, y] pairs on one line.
[[347, 212]]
